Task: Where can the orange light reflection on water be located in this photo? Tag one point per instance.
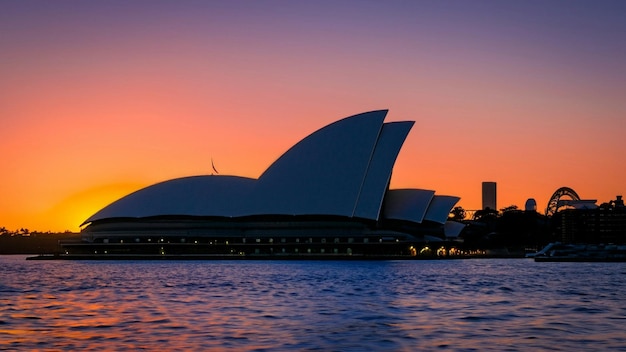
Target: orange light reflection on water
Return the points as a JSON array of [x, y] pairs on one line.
[[89, 318]]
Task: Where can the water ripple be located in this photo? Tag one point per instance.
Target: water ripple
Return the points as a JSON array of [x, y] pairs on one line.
[[481, 305]]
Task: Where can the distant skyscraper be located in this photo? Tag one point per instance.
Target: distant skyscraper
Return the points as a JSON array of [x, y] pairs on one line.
[[489, 195]]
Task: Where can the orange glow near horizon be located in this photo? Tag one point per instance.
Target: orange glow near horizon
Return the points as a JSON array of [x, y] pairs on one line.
[[108, 98]]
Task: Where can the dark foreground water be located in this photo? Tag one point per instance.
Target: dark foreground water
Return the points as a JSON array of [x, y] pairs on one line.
[[480, 304]]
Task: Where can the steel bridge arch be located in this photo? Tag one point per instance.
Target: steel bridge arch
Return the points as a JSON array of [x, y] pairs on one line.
[[553, 204]]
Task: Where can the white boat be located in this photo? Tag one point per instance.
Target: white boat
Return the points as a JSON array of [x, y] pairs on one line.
[[564, 252]]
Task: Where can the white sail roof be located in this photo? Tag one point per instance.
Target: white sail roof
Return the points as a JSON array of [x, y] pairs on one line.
[[342, 169], [407, 204]]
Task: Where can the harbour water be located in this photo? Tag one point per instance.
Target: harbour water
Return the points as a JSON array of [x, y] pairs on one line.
[[438, 305]]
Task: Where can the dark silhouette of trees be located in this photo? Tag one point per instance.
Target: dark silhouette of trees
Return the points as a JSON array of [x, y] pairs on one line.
[[485, 215], [23, 241], [523, 228], [508, 228], [457, 214], [509, 208]]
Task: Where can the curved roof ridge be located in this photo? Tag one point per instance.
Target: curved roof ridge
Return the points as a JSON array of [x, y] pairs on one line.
[[440, 207], [218, 195], [343, 169], [322, 174], [409, 204], [378, 175], [374, 114]]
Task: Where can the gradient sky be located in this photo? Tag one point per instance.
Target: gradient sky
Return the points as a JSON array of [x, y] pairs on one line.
[[98, 99]]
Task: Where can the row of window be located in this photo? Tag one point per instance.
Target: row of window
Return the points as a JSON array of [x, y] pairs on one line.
[[247, 240]]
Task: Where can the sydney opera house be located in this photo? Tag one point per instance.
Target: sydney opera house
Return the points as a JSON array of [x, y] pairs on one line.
[[327, 196]]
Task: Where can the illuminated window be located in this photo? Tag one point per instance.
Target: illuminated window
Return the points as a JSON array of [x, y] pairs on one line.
[[441, 252]]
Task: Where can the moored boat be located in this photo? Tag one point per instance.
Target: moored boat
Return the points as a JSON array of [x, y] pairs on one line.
[[563, 252]]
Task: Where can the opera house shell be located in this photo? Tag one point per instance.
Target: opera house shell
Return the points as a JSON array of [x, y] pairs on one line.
[[328, 195]]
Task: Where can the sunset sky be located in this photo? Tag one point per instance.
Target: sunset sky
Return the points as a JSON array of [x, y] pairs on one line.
[[98, 99]]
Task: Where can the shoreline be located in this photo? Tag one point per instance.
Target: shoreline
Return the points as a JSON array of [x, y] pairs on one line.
[[275, 257]]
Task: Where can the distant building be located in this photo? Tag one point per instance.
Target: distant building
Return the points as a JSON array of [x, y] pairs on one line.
[[531, 205], [603, 224], [489, 195]]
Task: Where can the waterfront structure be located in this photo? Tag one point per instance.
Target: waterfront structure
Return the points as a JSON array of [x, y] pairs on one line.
[[593, 224], [327, 195], [489, 195]]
